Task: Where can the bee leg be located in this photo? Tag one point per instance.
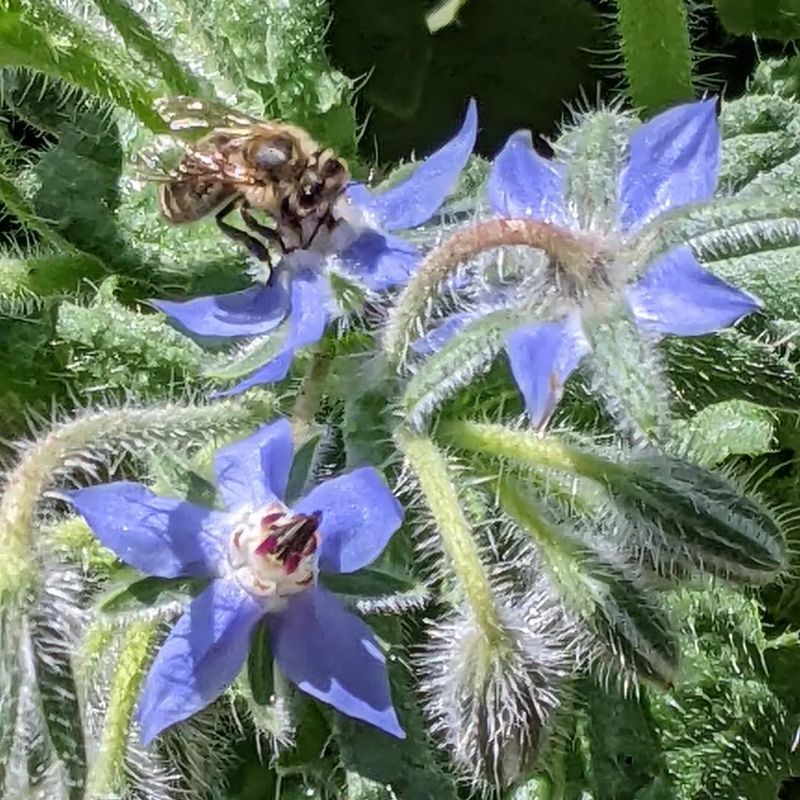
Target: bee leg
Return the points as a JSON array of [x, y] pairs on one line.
[[322, 221], [256, 248], [270, 234]]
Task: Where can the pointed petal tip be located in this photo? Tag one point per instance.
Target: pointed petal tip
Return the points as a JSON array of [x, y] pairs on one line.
[[679, 297], [471, 116], [393, 727], [522, 183], [542, 358], [416, 199]]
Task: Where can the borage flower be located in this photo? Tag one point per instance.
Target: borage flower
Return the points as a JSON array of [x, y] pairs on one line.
[[360, 246], [262, 558], [671, 161]]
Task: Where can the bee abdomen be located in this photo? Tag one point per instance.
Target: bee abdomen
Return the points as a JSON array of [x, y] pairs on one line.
[[181, 201]]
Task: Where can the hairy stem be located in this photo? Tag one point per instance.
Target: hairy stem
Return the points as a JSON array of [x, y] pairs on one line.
[[430, 467], [566, 247], [108, 768], [524, 447], [308, 398], [657, 52]]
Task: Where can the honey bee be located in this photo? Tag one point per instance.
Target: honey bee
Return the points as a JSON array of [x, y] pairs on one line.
[[240, 163]]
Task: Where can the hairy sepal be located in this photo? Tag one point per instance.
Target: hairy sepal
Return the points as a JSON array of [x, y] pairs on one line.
[[467, 354], [684, 512], [627, 372], [594, 152], [491, 702], [627, 628]]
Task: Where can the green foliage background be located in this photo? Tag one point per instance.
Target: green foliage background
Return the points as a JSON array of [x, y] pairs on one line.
[[83, 249]]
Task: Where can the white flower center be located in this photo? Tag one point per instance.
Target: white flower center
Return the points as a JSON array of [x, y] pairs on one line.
[[272, 552]]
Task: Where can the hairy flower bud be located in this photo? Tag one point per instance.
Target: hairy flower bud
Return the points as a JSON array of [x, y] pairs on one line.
[[492, 701], [697, 517]]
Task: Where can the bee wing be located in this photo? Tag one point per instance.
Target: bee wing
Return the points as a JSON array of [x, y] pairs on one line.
[[190, 117], [158, 162]]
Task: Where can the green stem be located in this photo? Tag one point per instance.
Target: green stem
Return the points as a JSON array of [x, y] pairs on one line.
[[526, 448], [108, 769], [657, 52], [310, 395], [430, 467]]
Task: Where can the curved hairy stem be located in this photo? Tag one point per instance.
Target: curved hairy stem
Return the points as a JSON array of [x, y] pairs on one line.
[[566, 247]]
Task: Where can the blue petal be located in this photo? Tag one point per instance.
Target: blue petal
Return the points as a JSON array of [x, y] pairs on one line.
[[417, 198], [523, 184], [255, 471], [276, 370], [674, 160], [250, 312], [542, 358], [332, 655], [311, 300], [381, 261], [359, 516], [160, 536], [200, 658], [677, 296]]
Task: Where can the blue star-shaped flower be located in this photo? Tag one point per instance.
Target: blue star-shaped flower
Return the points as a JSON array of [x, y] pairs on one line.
[[361, 245], [672, 161], [262, 558]]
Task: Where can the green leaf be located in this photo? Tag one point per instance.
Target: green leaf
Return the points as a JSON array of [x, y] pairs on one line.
[[47, 275], [410, 766], [303, 465], [259, 665], [770, 19], [367, 582], [365, 391], [723, 229], [131, 592], [311, 757], [724, 731], [730, 366], [45, 39], [138, 36], [247, 358], [623, 746], [107, 345], [771, 275], [725, 429]]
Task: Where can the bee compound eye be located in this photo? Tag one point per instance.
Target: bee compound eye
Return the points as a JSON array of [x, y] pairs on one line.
[[331, 168], [274, 153]]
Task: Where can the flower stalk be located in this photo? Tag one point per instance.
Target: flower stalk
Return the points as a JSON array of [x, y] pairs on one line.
[[525, 447], [430, 467], [307, 402], [107, 770], [562, 245]]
